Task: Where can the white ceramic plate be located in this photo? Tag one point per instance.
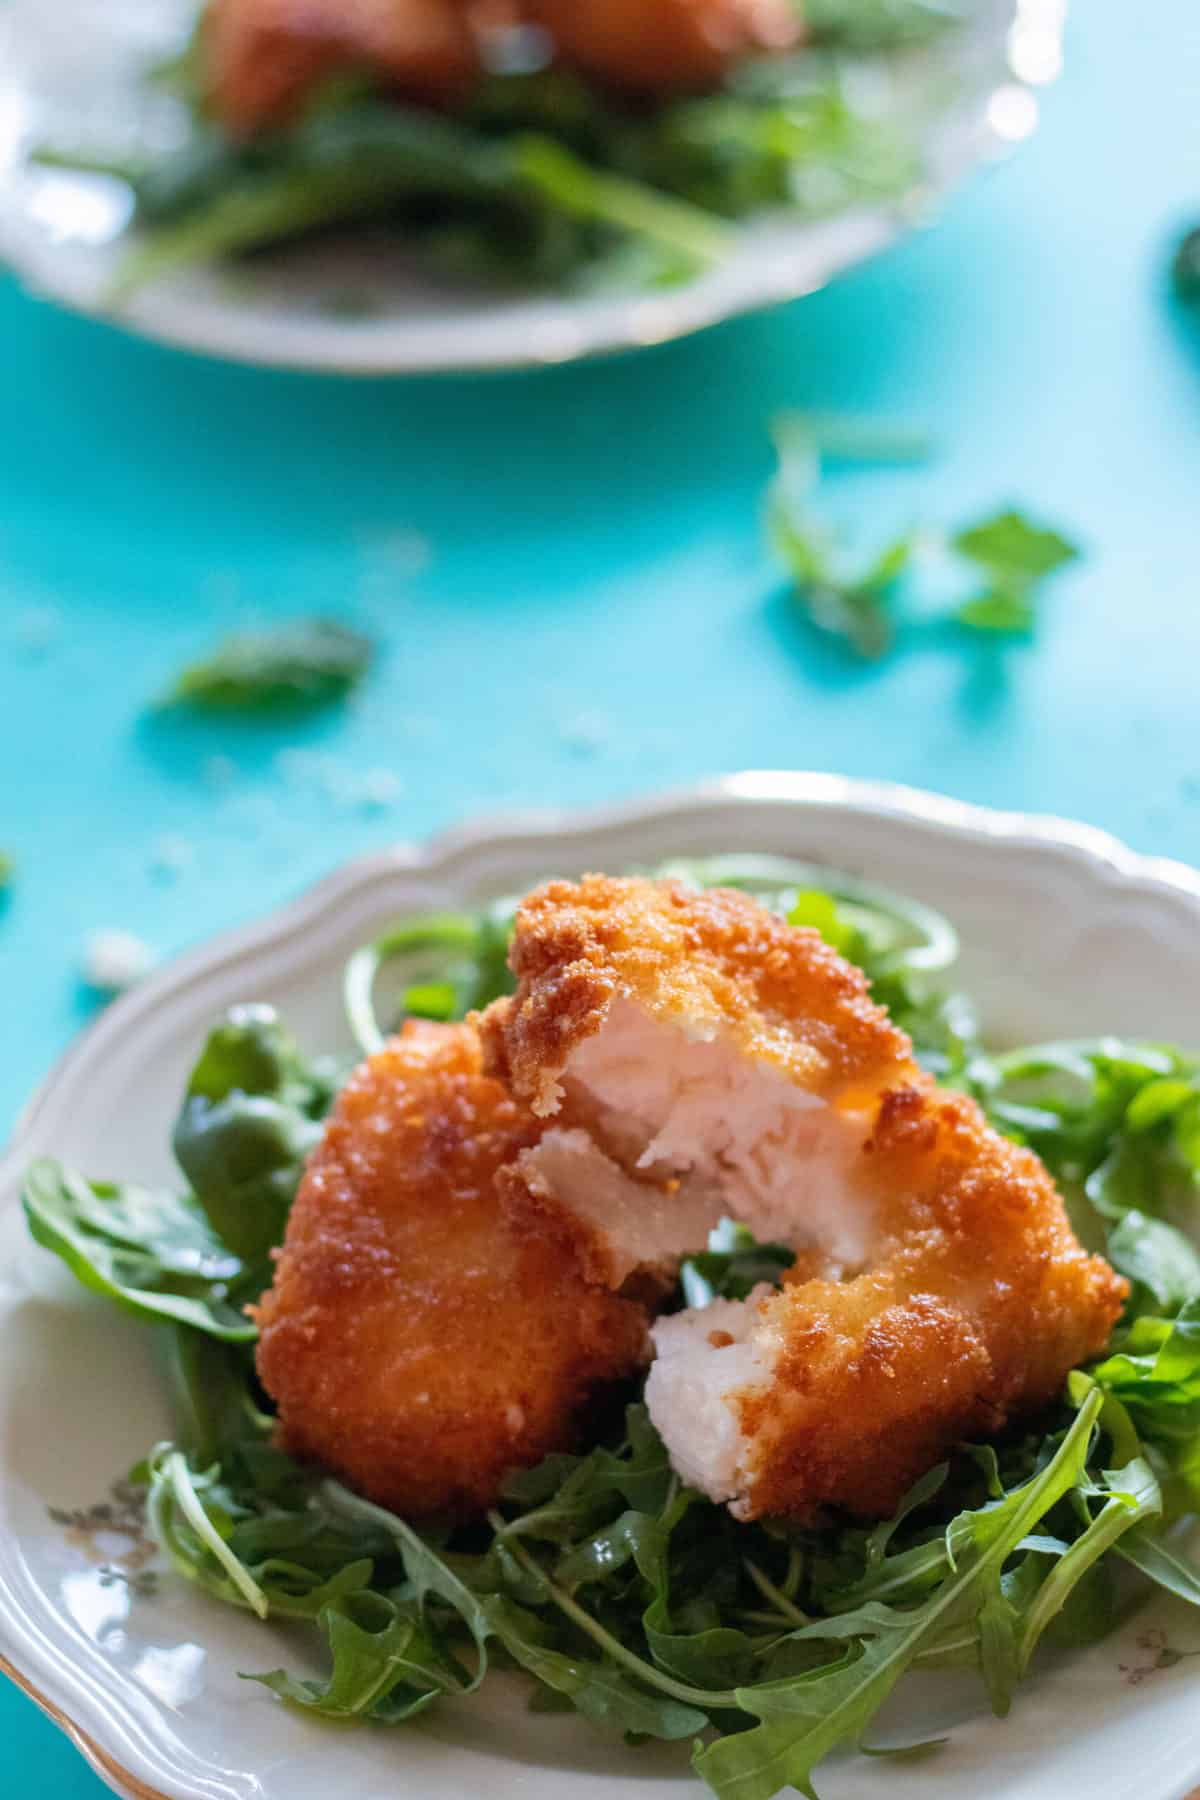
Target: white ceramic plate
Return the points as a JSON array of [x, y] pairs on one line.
[[69, 73], [1064, 932]]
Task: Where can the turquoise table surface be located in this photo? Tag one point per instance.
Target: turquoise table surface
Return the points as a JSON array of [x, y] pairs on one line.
[[566, 573]]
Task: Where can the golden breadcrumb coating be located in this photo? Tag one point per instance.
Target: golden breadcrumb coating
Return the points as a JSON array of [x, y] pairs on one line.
[[657, 45], [697, 1056], [715, 959], [262, 58], [415, 1342], [978, 1301]]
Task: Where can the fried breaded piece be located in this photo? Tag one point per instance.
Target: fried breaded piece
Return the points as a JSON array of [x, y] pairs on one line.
[[692, 1045], [263, 57], [654, 46], [976, 1302], [416, 1343], [707, 1059], [713, 962]]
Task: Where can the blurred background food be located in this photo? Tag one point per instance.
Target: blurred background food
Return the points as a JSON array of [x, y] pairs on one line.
[[496, 148]]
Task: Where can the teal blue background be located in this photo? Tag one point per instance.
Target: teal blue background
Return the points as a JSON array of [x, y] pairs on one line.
[[566, 571]]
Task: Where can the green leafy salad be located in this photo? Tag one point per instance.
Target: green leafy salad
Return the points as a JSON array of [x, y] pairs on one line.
[[615, 1589], [541, 176]]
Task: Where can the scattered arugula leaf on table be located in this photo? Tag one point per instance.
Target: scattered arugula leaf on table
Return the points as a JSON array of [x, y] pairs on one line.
[[298, 663], [8, 869], [1015, 556], [845, 601], [857, 601]]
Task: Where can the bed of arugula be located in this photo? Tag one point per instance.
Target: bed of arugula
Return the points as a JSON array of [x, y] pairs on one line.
[[620, 1593], [542, 177]]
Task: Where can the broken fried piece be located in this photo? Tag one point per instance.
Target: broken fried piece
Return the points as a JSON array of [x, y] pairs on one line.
[[653, 46], [698, 1058], [263, 58]]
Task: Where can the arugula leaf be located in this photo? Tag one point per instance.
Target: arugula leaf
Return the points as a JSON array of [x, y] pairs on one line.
[[845, 604], [303, 662], [8, 869], [1017, 556], [255, 1533], [1118, 1125], [1153, 1372], [152, 1253], [852, 605], [999, 609], [600, 1692], [803, 1719], [1185, 268], [1012, 548], [819, 910], [856, 605], [634, 1536], [734, 1263], [999, 1626], [428, 1574], [1157, 1258], [444, 965], [1131, 1496], [567, 1496], [213, 1401], [251, 1052], [249, 1120], [694, 238], [188, 1515], [1162, 1565], [384, 1664]]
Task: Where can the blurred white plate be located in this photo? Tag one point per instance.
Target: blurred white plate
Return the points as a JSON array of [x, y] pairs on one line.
[[1064, 932], [70, 73]]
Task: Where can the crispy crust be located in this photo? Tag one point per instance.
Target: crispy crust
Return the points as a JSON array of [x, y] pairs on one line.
[[980, 1301], [715, 961], [976, 1298], [668, 44], [415, 1342], [263, 57]]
